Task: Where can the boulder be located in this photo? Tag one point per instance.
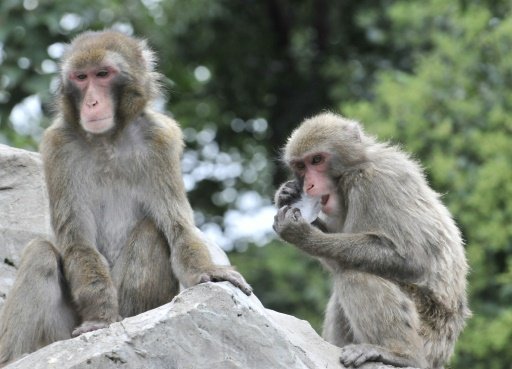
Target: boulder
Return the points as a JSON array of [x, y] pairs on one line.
[[210, 326], [23, 202], [24, 211]]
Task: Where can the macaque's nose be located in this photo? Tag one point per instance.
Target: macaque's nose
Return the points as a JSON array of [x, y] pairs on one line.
[[91, 103]]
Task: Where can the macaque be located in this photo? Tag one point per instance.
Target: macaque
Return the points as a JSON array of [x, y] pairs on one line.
[[396, 256], [124, 231]]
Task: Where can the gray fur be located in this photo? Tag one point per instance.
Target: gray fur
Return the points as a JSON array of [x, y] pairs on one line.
[[396, 255]]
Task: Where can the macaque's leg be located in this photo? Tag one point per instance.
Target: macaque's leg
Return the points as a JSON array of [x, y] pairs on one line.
[[142, 273], [384, 320], [37, 310], [336, 329]]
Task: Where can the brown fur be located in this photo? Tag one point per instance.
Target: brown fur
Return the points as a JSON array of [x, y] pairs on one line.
[[396, 255], [125, 235]]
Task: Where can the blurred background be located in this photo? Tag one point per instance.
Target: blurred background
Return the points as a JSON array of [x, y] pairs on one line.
[[434, 76]]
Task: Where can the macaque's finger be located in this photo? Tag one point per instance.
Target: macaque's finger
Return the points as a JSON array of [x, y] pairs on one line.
[[228, 275], [89, 326], [296, 214], [239, 281]]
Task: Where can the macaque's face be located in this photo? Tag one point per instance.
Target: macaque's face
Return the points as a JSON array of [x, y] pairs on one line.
[[97, 104], [313, 170]]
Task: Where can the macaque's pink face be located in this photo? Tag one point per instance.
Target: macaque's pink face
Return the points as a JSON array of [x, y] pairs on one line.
[[97, 105], [312, 168]]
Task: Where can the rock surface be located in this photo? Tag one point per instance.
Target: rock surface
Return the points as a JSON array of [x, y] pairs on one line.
[[23, 209], [23, 201], [211, 326]]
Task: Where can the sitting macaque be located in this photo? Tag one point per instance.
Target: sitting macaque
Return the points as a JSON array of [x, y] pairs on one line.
[[124, 229], [396, 256]]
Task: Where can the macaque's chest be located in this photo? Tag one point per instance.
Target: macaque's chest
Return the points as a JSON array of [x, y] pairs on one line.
[[111, 176], [114, 193], [116, 211]]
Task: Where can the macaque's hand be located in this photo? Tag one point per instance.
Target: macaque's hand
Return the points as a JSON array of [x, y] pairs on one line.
[[220, 274], [289, 193], [89, 326], [290, 225]]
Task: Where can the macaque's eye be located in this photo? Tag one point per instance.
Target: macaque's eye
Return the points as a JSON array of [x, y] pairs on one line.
[[81, 76], [317, 159], [102, 73]]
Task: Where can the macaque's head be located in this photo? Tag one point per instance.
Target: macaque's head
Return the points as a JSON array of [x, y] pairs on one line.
[[320, 150], [107, 80]]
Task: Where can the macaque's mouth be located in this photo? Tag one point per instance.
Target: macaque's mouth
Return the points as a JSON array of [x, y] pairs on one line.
[[324, 199], [98, 125], [98, 120]]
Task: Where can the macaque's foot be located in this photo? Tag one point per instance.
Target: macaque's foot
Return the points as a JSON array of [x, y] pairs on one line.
[[357, 355], [353, 356]]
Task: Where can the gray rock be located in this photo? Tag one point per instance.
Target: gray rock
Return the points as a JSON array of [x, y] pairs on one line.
[[23, 202], [24, 211], [7, 274], [211, 326]]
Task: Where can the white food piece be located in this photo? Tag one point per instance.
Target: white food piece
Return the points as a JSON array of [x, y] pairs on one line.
[[309, 207]]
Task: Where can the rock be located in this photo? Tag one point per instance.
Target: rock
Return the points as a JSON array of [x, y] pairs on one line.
[[211, 326], [7, 274], [23, 202], [23, 208]]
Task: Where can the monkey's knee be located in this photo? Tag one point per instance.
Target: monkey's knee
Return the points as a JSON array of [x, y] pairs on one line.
[[37, 310], [41, 256], [381, 314]]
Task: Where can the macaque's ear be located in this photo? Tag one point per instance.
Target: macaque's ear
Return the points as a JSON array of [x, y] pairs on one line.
[[353, 131], [148, 55]]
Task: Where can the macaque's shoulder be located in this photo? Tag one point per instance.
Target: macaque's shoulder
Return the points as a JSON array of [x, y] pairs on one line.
[[56, 137], [165, 131]]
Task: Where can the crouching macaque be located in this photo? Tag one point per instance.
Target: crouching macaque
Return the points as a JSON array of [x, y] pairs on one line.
[[124, 229], [395, 253]]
